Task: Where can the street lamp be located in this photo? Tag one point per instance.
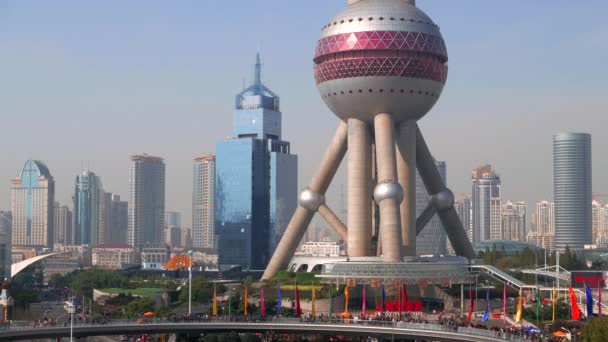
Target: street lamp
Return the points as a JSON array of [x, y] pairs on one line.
[[190, 283]]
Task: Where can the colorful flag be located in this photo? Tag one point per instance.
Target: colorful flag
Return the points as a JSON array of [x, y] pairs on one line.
[[229, 301], [263, 303], [576, 311], [246, 302], [589, 301], [383, 300], [486, 314], [214, 301], [314, 309], [364, 303], [346, 295], [404, 297], [279, 299], [520, 307], [599, 300], [538, 303], [504, 303], [471, 304], [298, 308], [554, 302]]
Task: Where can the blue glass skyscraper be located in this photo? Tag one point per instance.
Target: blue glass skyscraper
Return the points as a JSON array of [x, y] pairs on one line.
[[256, 180], [89, 225]]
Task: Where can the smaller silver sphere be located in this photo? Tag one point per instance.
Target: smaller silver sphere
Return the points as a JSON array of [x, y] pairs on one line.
[[311, 200], [443, 200], [388, 189]]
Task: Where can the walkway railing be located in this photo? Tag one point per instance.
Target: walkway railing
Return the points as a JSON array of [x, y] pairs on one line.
[[277, 322]]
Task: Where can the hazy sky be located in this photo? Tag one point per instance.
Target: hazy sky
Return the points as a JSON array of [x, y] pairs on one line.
[[97, 81]]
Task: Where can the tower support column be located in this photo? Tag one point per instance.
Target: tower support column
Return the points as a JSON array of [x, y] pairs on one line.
[[359, 189], [310, 200], [406, 170], [388, 193]]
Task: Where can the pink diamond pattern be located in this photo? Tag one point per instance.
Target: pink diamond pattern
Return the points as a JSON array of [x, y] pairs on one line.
[[370, 66], [382, 40]]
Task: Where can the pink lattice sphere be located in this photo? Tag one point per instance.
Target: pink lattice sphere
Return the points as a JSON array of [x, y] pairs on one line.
[[381, 56]]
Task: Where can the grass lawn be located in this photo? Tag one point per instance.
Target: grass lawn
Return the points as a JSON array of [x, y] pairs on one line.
[[135, 292]]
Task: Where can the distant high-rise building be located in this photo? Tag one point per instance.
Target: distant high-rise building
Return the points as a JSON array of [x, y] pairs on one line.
[[32, 206], [146, 201], [117, 212], [544, 233], [572, 190], [486, 203], [203, 203], [256, 180], [6, 228], [173, 219], [89, 212], [63, 225], [463, 209], [514, 218], [432, 240], [598, 218]]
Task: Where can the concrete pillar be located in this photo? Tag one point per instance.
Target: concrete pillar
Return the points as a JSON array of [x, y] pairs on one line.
[[388, 193], [359, 189], [301, 219], [406, 170], [330, 217]]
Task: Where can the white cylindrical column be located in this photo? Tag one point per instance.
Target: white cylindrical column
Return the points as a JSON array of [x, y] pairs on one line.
[[359, 189], [388, 193], [406, 170]]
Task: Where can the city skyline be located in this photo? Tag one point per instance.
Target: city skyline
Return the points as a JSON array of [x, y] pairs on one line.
[[540, 97]]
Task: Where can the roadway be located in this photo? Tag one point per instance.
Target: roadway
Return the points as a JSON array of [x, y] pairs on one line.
[[389, 330]]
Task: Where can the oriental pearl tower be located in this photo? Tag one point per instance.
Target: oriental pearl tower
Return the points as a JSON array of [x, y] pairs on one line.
[[380, 66]]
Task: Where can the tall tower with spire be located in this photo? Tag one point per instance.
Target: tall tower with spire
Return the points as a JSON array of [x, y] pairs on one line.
[[256, 179]]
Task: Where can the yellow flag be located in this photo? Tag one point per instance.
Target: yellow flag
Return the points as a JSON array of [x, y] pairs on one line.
[[346, 295], [246, 301], [314, 309], [214, 302], [520, 307], [554, 304]]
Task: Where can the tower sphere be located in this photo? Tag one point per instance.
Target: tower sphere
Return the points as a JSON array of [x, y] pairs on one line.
[[381, 56]]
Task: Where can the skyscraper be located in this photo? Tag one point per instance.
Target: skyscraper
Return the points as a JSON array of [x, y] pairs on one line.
[[486, 204], [117, 212], [63, 225], [173, 219], [545, 218], [598, 220], [432, 240], [203, 202], [32, 200], [146, 201], [256, 180], [572, 190], [6, 227], [89, 203], [544, 235], [514, 216], [463, 209]]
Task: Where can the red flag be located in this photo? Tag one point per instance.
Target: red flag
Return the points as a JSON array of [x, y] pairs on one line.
[[472, 303], [364, 303], [504, 303], [576, 311], [263, 303], [405, 299], [298, 308]]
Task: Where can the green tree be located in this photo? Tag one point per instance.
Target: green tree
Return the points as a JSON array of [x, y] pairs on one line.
[[139, 306], [596, 330]]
